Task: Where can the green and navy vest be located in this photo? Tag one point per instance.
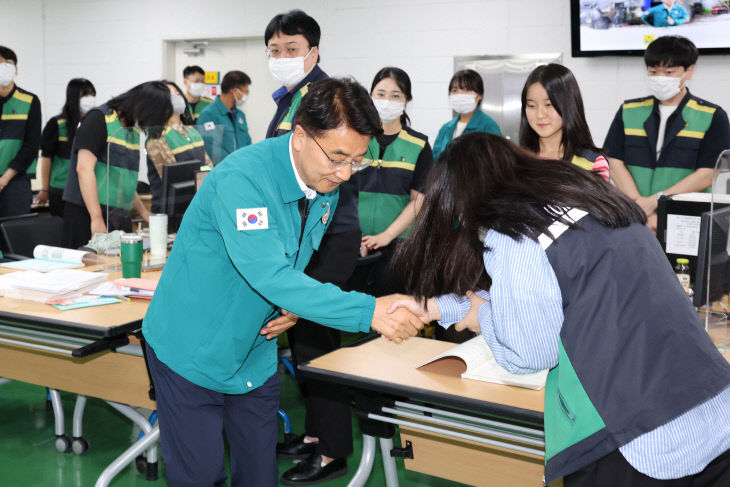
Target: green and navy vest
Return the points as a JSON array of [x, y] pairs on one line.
[[625, 313], [12, 128], [684, 132], [60, 164], [285, 124], [185, 147], [385, 186], [117, 180], [202, 103]]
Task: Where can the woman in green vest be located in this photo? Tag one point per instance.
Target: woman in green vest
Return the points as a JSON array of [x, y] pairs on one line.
[[466, 92], [56, 140], [553, 123], [101, 189], [390, 189], [178, 143]]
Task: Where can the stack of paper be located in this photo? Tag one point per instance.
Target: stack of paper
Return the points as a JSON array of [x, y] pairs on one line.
[[44, 287], [47, 258]]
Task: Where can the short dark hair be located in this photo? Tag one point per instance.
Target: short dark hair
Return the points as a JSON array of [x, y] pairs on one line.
[[335, 102], [147, 104], [467, 79], [8, 54], [292, 23], [192, 70], [564, 93], [401, 79], [234, 79], [671, 51]]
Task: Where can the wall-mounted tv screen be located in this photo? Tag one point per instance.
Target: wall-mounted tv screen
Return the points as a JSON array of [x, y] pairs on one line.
[[608, 28]]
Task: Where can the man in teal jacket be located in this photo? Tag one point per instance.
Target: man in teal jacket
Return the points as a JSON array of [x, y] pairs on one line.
[[222, 124], [238, 263]]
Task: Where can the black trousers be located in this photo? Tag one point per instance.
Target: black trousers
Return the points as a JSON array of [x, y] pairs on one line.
[[55, 202], [613, 470], [16, 198], [327, 405], [77, 223]]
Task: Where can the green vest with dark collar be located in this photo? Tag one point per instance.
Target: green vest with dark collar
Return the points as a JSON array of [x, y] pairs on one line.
[[60, 165], [201, 105], [12, 129], [296, 100], [385, 186], [678, 156], [116, 172]]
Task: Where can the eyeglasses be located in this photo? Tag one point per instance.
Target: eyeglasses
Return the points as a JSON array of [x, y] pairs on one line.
[[277, 52], [337, 165]]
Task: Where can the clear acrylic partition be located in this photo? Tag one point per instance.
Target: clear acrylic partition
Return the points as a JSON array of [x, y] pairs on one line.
[[117, 180], [718, 262]]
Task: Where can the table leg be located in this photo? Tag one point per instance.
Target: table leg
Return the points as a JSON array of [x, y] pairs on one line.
[[63, 443], [79, 444], [147, 442], [366, 462], [389, 466], [140, 421]]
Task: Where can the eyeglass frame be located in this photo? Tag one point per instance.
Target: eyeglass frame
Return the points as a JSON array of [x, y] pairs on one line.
[[355, 166], [299, 48]]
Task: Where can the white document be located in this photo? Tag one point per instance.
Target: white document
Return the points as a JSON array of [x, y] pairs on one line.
[[48, 258], [481, 365], [683, 234], [38, 286]]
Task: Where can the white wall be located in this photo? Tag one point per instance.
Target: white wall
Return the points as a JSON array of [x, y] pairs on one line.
[[118, 44]]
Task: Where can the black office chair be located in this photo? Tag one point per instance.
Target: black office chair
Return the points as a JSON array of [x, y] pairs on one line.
[[21, 235], [3, 243]]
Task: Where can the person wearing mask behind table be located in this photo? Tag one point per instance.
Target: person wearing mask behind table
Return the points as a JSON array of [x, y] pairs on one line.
[[466, 92], [637, 394], [178, 143], [56, 140], [194, 81], [553, 124], [226, 112], [20, 134], [101, 187], [390, 188], [666, 143], [292, 46]]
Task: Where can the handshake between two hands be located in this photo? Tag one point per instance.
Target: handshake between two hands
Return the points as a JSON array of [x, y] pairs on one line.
[[397, 317]]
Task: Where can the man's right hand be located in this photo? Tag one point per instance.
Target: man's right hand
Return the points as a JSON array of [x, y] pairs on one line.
[[399, 325]]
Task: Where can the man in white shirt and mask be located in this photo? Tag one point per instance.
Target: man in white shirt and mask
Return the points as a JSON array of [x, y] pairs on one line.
[[668, 142]]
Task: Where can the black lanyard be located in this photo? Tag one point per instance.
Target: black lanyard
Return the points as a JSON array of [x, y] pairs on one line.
[[303, 206]]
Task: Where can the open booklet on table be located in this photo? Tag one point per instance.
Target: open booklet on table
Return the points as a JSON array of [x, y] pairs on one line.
[[47, 258], [474, 359]]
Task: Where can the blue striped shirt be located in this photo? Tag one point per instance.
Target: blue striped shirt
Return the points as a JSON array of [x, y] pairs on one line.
[[521, 323]]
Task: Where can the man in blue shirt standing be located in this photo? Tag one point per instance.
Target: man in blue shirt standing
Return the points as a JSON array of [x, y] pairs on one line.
[[236, 265], [226, 112]]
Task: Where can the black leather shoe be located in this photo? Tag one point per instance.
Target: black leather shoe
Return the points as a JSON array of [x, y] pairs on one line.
[[311, 471], [294, 447]]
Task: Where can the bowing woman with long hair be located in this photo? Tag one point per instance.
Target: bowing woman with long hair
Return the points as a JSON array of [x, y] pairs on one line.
[[571, 280]]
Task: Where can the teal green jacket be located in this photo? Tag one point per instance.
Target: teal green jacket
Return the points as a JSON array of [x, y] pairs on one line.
[[228, 274], [480, 122], [235, 130]]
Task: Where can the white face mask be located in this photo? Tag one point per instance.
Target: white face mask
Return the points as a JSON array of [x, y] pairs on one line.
[[463, 102], [242, 101], [178, 104], [197, 89], [288, 70], [7, 74], [664, 87], [389, 110], [86, 103]]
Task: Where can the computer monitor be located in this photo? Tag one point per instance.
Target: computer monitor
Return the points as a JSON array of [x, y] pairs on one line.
[[713, 254], [178, 190]]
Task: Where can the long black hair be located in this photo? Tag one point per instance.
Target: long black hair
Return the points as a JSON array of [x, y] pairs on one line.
[[402, 80], [564, 94], [484, 181], [147, 104], [75, 90]]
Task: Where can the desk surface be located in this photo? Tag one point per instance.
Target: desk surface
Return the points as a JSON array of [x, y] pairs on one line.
[[94, 322], [391, 368]]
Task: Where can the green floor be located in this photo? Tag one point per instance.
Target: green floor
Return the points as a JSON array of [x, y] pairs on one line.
[[28, 457]]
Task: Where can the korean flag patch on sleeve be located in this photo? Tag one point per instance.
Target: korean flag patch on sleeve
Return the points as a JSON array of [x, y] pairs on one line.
[[252, 219]]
